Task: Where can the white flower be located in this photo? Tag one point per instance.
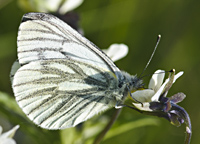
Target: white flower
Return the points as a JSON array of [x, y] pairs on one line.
[[59, 6], [69, 5], [155, 88], [154, 101], [116, 51], [6, 138]]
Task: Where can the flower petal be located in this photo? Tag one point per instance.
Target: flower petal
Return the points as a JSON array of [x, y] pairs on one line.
[[177, 76], [70, 5], [179, 97], [143, 95], [144, 107], [158, 93], [61, 6], [8, 141], [1, 129], [116, 51], [10, 133], [48, 5], [156, 80]]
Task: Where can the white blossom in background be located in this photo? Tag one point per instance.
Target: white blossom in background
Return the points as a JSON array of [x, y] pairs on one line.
[[48, 5], [69, 5], [116, 51], [60, 6], [6, 138]]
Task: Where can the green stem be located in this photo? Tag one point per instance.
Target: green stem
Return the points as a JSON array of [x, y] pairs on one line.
[[108, 126]]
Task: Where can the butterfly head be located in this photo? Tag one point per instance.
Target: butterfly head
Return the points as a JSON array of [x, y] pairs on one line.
[[133, 82]]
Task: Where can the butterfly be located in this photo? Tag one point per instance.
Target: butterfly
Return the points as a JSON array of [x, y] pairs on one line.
[[62, 79]]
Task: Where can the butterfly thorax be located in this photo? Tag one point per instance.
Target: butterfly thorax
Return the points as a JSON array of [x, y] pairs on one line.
[[129, 84]]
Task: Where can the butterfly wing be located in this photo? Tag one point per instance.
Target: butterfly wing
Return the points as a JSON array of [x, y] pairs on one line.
[[43, 36], [61, 78], [57, 94]]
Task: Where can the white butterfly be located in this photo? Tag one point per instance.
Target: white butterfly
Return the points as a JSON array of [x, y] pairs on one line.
[[62, 79]]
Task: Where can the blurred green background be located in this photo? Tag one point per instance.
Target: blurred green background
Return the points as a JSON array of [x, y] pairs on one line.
[[137, 24]]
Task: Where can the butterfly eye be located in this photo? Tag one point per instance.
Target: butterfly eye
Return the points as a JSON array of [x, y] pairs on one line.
[[120, 84]]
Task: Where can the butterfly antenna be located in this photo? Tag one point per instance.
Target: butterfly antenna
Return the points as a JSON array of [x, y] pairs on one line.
[[158, 40]]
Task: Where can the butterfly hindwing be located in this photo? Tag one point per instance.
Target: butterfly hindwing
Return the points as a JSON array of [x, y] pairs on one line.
[[57, 94]]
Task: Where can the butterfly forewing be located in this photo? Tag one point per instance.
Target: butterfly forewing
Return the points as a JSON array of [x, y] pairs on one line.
[[57, 94], [43, 36]]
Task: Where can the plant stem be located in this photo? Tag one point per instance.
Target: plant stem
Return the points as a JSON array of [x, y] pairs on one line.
[[108, 126]]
